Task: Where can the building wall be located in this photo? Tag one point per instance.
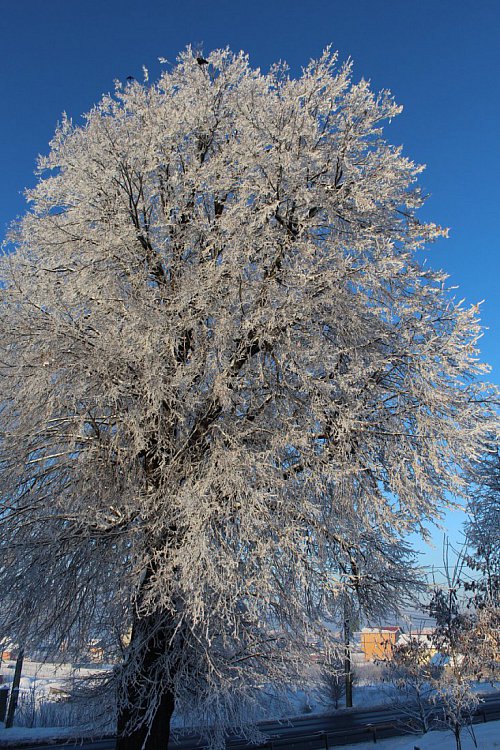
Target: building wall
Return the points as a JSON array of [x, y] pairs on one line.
[[378, 644]]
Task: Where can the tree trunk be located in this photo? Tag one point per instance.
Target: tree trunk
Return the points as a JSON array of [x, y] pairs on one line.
[[155, 737], [146, 682]]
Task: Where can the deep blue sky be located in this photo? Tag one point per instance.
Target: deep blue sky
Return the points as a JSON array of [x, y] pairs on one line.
[[440, 58]]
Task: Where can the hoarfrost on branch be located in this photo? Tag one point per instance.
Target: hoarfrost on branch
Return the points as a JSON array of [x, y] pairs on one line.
[[229, 389]]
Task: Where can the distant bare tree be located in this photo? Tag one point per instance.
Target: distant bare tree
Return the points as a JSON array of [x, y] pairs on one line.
[[333, 679]]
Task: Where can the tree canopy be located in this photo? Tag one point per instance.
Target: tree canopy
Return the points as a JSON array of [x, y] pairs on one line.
[[229, 388]]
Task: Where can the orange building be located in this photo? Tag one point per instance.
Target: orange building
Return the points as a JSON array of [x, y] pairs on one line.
[[377, 643]]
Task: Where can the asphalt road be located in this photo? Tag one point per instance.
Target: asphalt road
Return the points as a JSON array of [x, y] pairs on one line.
[[305, 732]]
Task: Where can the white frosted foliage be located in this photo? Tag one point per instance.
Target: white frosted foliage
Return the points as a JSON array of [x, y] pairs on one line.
[[228, 388]]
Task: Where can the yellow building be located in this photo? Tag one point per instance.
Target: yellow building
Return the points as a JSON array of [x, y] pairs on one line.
[[377, 643]]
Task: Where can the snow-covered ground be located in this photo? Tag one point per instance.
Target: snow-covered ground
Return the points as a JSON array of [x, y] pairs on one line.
[[43, 703], [15, 735], [487, 737]]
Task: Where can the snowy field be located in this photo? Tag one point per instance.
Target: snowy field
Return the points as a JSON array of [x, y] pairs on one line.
[[43, 703]]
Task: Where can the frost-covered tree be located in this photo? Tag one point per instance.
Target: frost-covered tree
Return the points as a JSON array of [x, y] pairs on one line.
[[409, 669], [333, 681], [467, 643], [228, 387], [460, 659], [483, 531]]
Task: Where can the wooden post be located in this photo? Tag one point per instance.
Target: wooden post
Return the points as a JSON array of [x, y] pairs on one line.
[[14, 693]]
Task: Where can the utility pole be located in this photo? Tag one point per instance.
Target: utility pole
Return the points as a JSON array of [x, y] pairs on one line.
[[347, 657], [14, 693]]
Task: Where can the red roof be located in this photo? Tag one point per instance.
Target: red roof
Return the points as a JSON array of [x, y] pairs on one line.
[[383, 629]]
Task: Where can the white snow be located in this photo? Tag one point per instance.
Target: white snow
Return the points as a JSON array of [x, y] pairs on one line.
[[487, 737], [33, 734]]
